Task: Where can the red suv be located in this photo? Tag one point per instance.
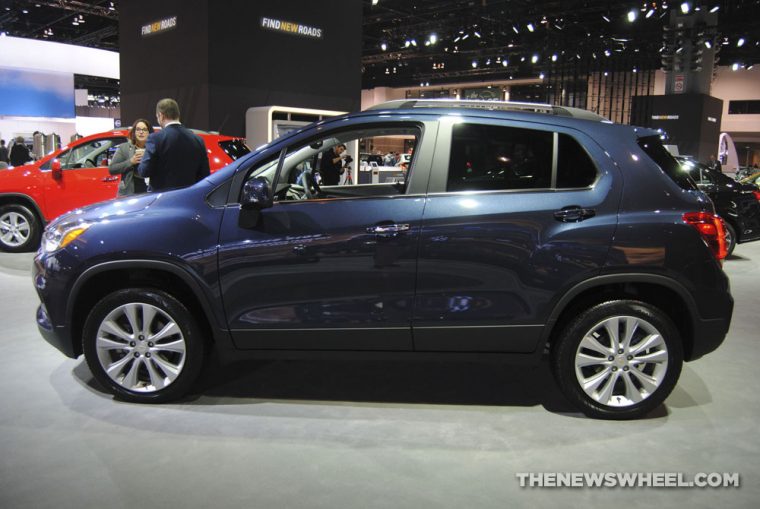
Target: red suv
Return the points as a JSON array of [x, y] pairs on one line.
[[36, 193]]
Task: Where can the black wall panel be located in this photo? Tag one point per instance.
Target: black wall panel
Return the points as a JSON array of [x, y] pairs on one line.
[[218, 60], [691, 121]]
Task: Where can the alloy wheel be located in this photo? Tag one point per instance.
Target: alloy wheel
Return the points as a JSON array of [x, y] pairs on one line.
[[140, 347], [621, 361], [14, 229]]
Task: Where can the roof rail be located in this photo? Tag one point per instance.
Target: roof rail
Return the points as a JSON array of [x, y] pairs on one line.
[[549, 109]]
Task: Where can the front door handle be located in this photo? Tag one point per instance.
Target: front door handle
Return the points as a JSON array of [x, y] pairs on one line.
[[388, 230], [109, 179], [573, 214]]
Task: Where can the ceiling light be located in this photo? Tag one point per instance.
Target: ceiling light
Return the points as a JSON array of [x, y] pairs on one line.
[[632, 15], [749, 67], [605, 18], [515, 29], [530, 27], [476, 34], [433, 38], [456, 39], [685, 7], [406, 43], [374, 2], [541, 76], [740, 42], [534, 59], [474, 64], [649, 13], [606, 53], [554, 57], [504, 63], [735, 67], [715, 9], [414, 42], [465, 36], [708, 44]]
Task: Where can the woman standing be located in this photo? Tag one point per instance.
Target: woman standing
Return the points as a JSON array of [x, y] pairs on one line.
[[127, 158]]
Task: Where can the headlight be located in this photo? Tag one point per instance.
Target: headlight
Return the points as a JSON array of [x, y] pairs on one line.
[[62, 235]]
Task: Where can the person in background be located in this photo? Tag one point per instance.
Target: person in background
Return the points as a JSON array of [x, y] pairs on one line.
[[174, 157], [128, 156], [332, 165], [19, 153], [3, 152], [713, 163]]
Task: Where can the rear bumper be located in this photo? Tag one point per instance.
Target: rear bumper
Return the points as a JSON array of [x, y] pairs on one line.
[[710, 333]]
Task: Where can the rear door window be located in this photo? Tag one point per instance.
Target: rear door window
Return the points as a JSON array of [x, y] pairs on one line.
[[493, 158]]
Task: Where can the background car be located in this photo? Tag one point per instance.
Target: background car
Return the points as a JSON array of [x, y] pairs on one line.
[[34, 194], [736, 202]]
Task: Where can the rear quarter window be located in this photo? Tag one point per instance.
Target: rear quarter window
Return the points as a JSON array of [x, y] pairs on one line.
[[660, 155]]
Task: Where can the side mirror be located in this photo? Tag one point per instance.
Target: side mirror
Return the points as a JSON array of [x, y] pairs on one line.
[[316, 144], [257, 194], [55, 168]]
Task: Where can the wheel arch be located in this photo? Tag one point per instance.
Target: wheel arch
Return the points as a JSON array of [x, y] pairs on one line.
[[663, 292], [103, 279], [25, 200]]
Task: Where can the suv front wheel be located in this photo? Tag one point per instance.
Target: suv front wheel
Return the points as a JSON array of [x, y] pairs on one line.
[[143, 345], [20, 229], [618, 360]]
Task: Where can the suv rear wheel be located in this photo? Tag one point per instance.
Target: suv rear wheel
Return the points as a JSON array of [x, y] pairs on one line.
[[19, 229], [143, 345], [618, 360]]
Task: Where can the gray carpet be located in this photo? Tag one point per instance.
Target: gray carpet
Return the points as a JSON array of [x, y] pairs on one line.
[[339, 434]]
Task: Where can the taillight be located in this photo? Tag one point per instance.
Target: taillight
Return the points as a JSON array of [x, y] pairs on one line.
[[757, 195], [710, 227]]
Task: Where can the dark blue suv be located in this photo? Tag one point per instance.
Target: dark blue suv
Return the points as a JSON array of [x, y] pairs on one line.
[[514, 230]]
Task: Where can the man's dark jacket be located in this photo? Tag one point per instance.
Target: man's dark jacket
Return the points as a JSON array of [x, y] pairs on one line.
[[174, 157]]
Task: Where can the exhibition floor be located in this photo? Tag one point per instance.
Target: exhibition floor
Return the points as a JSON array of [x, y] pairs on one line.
[[339, 434]]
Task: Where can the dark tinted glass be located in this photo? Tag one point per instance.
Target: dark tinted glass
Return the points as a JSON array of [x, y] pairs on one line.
[[749, 107], [234, 148], [485, 157], [659, 154], [574, 166]]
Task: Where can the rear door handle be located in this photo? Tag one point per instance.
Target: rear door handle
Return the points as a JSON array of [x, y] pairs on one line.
[[388, 230], [109, 179], [573, 214]]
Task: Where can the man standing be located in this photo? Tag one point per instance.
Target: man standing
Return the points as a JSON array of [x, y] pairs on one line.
[[3, 152], [332, 165], [19, 154], [174, 157]]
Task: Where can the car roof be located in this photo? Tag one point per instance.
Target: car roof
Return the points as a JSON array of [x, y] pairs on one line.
[[565, 111], [576, 118]]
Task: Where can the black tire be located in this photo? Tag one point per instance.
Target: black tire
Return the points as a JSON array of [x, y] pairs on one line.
[[730, 238], [622, 379], [22, 236], [155, 360]]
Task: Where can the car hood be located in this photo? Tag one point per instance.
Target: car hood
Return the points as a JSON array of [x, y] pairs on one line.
[[16, 171], [108, 209]]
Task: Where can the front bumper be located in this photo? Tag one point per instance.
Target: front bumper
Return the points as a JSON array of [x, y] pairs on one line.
[[50, 280], [59, 337]]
